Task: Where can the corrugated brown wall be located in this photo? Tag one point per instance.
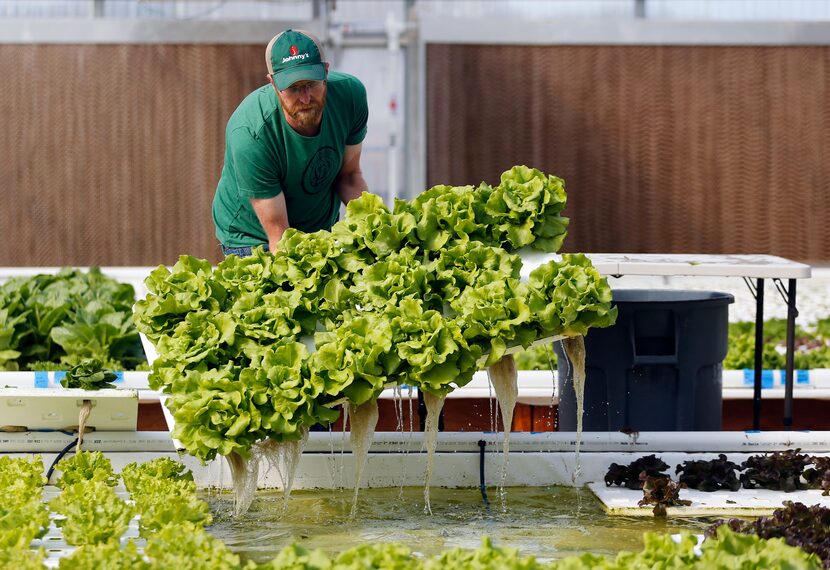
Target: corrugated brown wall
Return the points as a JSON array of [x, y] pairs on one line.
[[663, 149], [111, 154]]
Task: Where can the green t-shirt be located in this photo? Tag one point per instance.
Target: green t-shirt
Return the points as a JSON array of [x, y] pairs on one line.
[[265, 156]]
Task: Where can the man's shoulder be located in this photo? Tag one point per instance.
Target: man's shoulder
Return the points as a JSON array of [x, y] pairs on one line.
[[348, 85], [340, 76], [255, 110]]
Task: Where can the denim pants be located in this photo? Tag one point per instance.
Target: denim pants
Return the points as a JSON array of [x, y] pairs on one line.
[[240, 251]]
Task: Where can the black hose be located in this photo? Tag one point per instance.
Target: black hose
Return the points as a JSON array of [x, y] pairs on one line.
[[482, 486], [58, 458]]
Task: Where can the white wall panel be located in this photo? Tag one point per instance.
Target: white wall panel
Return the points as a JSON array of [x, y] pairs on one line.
[[739, 10], [375, 68], [531, 8], [45, 9], [372, 13]]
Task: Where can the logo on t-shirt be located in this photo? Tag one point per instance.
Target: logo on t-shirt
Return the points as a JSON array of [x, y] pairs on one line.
[[321, 170]]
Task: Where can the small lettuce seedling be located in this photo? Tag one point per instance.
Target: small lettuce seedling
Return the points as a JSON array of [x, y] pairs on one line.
[[709, 475], [629, 475], [778, 471], [661, 492], [818, 476]]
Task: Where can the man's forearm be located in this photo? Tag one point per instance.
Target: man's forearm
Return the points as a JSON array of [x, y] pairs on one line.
[[274, 232], [351, 186], [273, 216]]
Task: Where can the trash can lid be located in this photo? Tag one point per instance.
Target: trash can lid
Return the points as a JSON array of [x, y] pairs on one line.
[[671, 296]]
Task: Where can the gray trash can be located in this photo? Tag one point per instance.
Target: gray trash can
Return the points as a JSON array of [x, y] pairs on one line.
[[659, 368]]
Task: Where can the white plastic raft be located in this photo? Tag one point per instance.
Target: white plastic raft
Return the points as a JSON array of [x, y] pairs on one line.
[[744, 502]]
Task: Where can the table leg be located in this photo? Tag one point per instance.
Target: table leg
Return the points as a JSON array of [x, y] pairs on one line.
[[792, 312], [759, 354]]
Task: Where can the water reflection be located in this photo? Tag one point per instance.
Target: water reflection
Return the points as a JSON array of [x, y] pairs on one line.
[[546, 522]]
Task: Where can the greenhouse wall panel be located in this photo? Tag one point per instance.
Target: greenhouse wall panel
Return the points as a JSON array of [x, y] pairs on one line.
[[682, 149], [137, 146]]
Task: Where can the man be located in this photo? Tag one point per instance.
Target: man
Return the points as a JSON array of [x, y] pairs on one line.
[[292, 149]]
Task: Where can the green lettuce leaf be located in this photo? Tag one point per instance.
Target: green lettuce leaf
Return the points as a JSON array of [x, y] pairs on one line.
[[94, 513], [569, 296]]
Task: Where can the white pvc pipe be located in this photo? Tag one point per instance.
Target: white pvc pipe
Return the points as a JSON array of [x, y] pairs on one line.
[[645, 442], [455, 442], [109, 441]]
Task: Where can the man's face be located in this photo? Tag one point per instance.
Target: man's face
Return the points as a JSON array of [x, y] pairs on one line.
[[304, 101]]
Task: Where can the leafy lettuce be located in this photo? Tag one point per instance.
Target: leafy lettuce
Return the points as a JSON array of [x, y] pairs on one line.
[[569, 296], [93, 513], [53, 321], [416, 295]]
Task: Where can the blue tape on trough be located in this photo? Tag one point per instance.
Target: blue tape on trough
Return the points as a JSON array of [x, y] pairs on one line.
[[41, 379], [799, 377], [766, 378]]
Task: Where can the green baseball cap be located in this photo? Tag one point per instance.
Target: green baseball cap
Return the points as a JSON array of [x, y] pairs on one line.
[[294, 55]]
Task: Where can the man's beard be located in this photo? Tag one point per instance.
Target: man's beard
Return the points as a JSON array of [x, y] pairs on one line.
[[306, 115]]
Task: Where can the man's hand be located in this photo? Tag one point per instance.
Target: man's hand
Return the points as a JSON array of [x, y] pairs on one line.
[[350, 182], [273, 215]]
